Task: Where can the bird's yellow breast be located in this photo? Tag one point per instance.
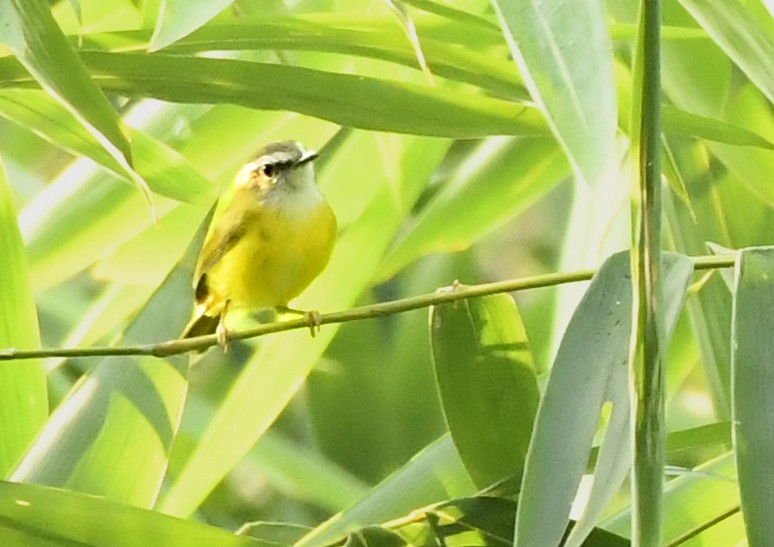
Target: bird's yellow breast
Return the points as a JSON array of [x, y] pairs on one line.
[[281, 252]]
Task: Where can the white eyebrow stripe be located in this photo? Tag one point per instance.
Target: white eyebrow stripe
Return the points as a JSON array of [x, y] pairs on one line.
[[275, 157]]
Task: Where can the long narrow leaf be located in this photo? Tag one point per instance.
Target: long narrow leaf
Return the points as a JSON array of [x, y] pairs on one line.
[[165, 171], [434, 474], [23, 398], [614, 461], [181, 17], [488, 385], [753, 384], [500, 179], [734, 28], [357, 101], [590, 368], [555, 46], [694, 503], [121, 420], [33, 35], [39, 516]]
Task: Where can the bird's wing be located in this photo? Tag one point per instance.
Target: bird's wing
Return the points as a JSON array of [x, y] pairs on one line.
[[229, 230]]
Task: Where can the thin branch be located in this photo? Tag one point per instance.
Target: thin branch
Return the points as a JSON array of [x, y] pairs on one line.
[[441, 296]]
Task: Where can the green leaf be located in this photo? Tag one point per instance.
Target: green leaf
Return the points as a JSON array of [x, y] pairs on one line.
[[589, 369], [679, 122], [480, 521], [710, 309], [24, 407], [121, 420], [696, 438], [695, 503], [749, 108], [433, 474], [40, 516], [72, 222], [274, 533], [345, 99], [166, 172], [368, 37], [39, 44], [487, 381], [753, 382], [744, 39], [179, 18], [463, 18], [500, 179], [554, 47]]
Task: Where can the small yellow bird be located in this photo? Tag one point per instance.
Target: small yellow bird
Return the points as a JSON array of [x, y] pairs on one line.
[[272, 240]]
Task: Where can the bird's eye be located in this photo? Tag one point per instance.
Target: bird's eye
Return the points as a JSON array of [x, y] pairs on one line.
[[268, 170]]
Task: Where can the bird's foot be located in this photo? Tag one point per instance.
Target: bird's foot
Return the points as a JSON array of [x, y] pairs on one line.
[[312, 318], [221, 332]]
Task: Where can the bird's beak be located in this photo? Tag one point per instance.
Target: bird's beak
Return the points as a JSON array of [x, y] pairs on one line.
[[309, 155]]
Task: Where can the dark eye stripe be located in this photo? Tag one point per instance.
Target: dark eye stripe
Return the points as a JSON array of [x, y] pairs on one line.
[[271, 169]]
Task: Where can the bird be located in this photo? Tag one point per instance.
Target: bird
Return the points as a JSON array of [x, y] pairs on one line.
[[275, 236]]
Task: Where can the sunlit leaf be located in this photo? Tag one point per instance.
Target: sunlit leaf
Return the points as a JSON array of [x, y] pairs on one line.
[[753, 383], [181, 17], [121, 420], [487, 382], [41, 516], [589, 369], [434, 474], [555, 47], [694, 504], [24, 406], [41, 47], [502, 178], [744, 39], [164, 170], [342, 98]]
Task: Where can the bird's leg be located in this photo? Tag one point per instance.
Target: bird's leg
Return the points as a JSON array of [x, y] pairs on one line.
[[312, 318], [221, 332]]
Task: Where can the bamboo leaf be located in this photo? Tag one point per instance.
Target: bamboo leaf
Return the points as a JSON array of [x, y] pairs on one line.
[[166, 172], [554, 46], [179, 18], [743, 39], [753, 382], [39, 44], [589, 369], [24, 406], [433, 474], [40, 516], [694, 504], [488, 385], [502, 178], [679, 122], [342, 98], [121, 420], [485, 521]]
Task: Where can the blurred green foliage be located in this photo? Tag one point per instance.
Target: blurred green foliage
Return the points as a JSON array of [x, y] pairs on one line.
[[490, 171]]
